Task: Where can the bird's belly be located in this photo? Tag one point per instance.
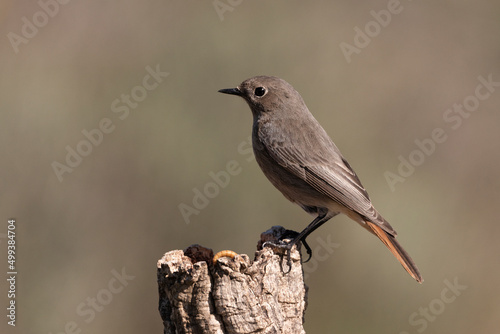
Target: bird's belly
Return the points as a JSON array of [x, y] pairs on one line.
[[293, 187]]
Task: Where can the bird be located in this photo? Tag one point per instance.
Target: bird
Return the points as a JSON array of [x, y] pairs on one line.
[[298, 157]]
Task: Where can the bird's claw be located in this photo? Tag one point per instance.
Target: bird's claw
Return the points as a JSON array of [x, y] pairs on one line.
[[288, 248]]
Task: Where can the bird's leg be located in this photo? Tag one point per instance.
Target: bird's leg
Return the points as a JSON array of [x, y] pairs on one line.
[[317, 222]]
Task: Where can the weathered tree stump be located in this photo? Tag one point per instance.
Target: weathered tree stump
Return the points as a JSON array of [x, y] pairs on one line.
[[233, 295]]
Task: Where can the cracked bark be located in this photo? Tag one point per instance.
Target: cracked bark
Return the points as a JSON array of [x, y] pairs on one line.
[[234, 295]]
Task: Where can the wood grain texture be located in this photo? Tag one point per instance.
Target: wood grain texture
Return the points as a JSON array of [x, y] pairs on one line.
[[234, 295]]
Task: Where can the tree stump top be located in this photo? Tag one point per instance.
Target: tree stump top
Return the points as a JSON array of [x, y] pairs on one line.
[[234, 295]]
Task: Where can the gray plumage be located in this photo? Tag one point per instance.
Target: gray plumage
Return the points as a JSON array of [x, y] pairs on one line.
[[299, 158]]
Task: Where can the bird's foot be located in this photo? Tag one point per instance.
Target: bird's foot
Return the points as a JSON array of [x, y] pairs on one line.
[[288, 245]]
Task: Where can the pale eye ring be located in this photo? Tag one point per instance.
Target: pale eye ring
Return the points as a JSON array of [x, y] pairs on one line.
[[259, 91]]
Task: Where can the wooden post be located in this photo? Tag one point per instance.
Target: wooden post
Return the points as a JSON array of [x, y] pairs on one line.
[[233, 295]]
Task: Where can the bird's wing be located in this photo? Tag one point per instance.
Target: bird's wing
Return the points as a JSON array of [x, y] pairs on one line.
[[319, 162]]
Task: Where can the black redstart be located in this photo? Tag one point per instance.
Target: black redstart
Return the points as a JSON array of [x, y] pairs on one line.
[[299, 158]]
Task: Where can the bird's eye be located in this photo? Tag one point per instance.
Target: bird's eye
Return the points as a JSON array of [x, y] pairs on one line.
[[260, 91]]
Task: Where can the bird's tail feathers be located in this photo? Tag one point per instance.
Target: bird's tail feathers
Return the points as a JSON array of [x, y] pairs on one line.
[[397, 251]]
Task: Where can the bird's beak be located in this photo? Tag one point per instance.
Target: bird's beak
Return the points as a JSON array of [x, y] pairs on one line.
[[232, 91]]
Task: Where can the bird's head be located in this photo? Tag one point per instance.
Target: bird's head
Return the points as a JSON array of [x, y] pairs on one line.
[[266, 94]]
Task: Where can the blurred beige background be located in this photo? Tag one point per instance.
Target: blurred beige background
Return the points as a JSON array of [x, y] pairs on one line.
[[67, 68]]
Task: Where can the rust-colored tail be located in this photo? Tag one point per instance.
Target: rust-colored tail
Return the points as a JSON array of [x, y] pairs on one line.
[[397, 251]]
